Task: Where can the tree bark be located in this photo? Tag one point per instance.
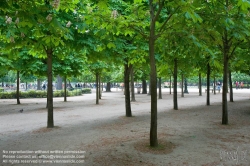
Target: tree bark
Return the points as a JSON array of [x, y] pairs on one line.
[[132, 85], [65, 89], [214, 86], [59, 83], [97, 90], [149, 88], [170, 86], [208, 83], [225, 78], [144, 87], [182, 85], [200, 85], [50, 122], [127, 69], [160, 92], [17, 88], [175, 85], [38, 84], [153, 77], [231, 86], [108, 87]]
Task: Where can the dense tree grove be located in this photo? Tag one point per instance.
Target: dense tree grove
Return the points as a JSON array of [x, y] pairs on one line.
[[123, 41]]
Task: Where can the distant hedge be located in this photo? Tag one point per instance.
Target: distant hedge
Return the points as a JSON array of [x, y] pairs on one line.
[[43, 94]]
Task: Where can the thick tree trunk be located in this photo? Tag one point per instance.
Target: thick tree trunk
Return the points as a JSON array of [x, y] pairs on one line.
[[50, 122], [108, 87], [144, 87], [127, 69], [170, 87], [97, 89], [200, 85], [59, 83], [175, 85], [231, 86], [38, 84], [214, 86], [182, 85], [65, 89], [160, 92], [17, 88], [208, 83], [132, 85]]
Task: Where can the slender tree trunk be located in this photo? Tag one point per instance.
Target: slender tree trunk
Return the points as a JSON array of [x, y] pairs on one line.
[[132, 85], [170, 87], [144, 87], [214, 86], [149, 88], [65, 88], [127, 69], [153, 78], [26, 86], [231, 86], [200, 85], [17, 88], [225, 78], [175, 85], [50, 122], [108, 87], [160, 92], [182, 85], [59, 83], [38, 84], [208, 83], [97, 90]]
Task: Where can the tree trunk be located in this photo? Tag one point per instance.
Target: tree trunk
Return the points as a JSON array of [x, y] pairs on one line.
[[144, 87], [26, 86], [132, 85], [97, 90], [214, 86], [108, 87], [225, 78], [170, 87], [208, 83], [182, 85], [17, 88], [38, 84], [153, 77], [175, 85], [59, 83], [231, 86], [65, 89], [127, 69], [200, 85], [149, 88], [160, 92], [50, 122]]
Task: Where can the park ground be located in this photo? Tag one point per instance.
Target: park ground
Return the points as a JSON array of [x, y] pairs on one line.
[[190, 136]]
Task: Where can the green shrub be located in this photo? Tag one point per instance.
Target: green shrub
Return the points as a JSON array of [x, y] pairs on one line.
[[86, 90], [1, 90]]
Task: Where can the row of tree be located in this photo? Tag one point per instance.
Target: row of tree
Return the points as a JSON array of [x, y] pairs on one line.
[[155, 38]]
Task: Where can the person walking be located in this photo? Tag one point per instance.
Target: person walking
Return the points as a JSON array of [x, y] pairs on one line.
[[241, 85], [236, 84]]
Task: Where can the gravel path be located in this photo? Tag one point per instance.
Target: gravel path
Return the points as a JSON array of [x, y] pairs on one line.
[[192, 135]]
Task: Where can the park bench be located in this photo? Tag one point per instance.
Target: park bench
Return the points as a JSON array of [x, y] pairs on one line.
[[216, 89]]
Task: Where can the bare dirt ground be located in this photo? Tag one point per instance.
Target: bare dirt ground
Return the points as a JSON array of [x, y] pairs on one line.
[[190, 136]]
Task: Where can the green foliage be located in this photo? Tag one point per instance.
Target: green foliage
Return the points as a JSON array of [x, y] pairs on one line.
[[42, 94]]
